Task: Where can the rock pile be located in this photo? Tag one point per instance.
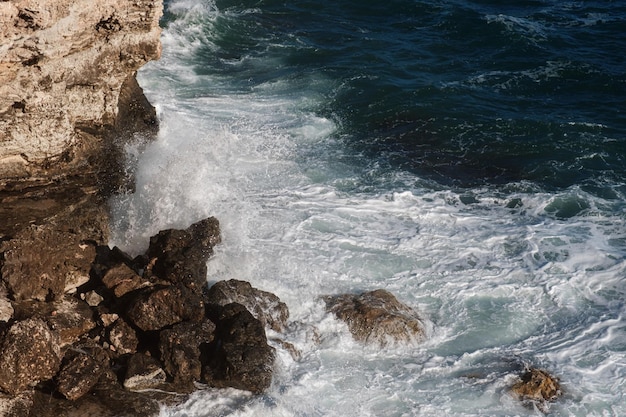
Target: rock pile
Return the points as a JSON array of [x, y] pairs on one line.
[[129, 325]]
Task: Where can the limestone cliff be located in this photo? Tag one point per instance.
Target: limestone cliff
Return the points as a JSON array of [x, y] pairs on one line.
[[62, 67]]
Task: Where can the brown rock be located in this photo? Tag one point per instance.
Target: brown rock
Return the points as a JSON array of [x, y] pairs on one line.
[[18, 405], [377, 317], [158, 308], [180, 256], [121, 279], [6, 308], [78, 375], [264, 305], [537, 387], [180, 349], [123, 338], [143, 372], [62, 67], [70, 318], [41, 261], [239, 357], [30, 353]]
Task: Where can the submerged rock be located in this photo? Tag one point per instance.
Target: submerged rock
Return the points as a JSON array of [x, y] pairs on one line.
[[377, 317], [537, 387], [264, 305]]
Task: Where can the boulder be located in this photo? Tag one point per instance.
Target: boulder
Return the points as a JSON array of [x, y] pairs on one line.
[[377, 317], [537, 387], [79, 373], [30, 353], [143, 372], [264, 305], [157, 308], [239, 357], [180, 349], [180, 256]]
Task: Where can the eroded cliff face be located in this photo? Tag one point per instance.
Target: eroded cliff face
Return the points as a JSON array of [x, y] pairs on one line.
[[62, 67]]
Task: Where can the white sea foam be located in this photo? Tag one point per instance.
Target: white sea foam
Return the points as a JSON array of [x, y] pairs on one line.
[[501, 287]]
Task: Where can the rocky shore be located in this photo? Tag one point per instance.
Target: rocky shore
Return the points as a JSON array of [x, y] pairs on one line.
[[86, 330]]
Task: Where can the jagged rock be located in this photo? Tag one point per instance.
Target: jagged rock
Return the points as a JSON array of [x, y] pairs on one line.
[[30, 353], [180, 349], [239, 357], [377, 317], [264, 305], [143, 372], [70, 318], [180, 256], [537, 387], [155, 309], [41, 261], [121, 279], [78, 375], [123, 338]]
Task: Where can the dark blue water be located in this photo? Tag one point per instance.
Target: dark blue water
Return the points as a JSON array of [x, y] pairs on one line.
[[463, 93], [467, 156]]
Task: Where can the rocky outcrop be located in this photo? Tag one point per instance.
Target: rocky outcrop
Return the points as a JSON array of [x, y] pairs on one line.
[[127, 329], [63, 65], [537, 388], [377, 317]]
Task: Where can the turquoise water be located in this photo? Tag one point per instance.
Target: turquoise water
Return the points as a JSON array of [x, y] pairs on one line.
[[464, 155]]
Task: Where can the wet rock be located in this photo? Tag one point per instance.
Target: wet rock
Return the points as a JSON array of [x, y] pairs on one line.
[[78, 375], [143, 372], [123, 338], [239, 357], [377, 317], [162, 307], [537, 387], [121, 279], [180, 256], [264, 305], [30, 353], [180, 349]]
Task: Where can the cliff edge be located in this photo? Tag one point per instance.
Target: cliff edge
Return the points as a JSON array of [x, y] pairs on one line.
[[62, 67], [68, 102]]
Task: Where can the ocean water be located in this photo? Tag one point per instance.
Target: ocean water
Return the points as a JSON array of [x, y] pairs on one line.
[[467, 155]]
